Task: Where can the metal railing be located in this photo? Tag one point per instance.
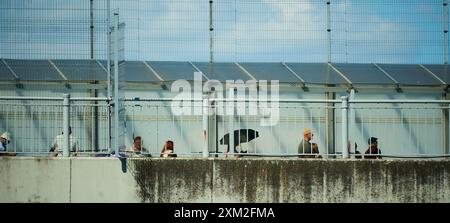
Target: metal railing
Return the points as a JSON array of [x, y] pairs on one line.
[[34, 123], [404, 128]]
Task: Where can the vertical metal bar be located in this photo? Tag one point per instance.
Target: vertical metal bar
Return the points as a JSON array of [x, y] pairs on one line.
[[191, 118], [311, 125], [231, 123], [445, 22], [16, 111], [108, 126], [108, 71], [401, 121], [211, 34], [330, 124], [116, 84], [223, 124], [446, 136], [26, 127], [66, 123], [94, 122], [30, 129], [329, 29], [254, 121], [91, 28], [279, 137], [216, 129], [393, 129], [386, 120], [295, 127], [39, 128], [205, 126], [344, 126], [9, 109], [239, 132], [417, 129], [298, 129], [445, 125], [410, 130], [85, 110], [246, 126], [318, 124], [108, 48], [173, 126], [364, 136], [157, 126]]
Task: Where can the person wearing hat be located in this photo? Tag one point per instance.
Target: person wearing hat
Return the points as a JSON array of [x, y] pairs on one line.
[[4, 140], [305, 145], [373, 149]]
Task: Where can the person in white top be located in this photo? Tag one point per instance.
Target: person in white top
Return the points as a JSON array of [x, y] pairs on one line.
[[56, 146], [136, 149], [167, 150]]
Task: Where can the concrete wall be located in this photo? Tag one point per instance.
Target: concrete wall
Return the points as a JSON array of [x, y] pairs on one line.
[[26, 179], [220, 180]]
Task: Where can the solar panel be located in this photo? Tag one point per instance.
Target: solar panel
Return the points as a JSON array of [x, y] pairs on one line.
[[34, 70], [137, 71], [222, 71], [363, 74], [5, 74], [81, 70], [171, 71], [270, 71], [316, 73], [409, 74], [442, 71]]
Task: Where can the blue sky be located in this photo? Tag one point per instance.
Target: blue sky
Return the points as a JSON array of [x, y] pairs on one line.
[[364, 31]]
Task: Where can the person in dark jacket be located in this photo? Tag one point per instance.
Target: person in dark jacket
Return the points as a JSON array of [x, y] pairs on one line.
[[373, 150]]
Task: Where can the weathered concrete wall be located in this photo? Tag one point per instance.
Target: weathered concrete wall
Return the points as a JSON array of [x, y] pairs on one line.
[[331, 181], [220, 180]]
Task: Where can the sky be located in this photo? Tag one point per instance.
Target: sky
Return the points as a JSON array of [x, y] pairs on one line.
[[362, 31]]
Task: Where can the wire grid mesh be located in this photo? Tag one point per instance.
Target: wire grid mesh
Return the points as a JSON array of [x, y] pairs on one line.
[[399, 31]]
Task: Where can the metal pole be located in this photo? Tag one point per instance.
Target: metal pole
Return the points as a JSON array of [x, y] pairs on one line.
[[108, 70], [66, 124], [108, 48], [445, 123], [93, 92], [344, 126], [329, 30], [445, 26], [231, 122], [116, 84], [211, 34], [205, 126], [330, 125], [91, 29]]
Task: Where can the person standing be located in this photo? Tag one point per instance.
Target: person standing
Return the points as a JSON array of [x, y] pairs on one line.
[[305, 146], [4, 140]]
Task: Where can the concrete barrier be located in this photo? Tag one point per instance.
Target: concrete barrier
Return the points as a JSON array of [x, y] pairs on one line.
[[34, 180], [221, 180]]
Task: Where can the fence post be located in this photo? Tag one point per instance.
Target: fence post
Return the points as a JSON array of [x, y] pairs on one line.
[[66, 124], [205, 126], [231, 121], [344, 108]]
